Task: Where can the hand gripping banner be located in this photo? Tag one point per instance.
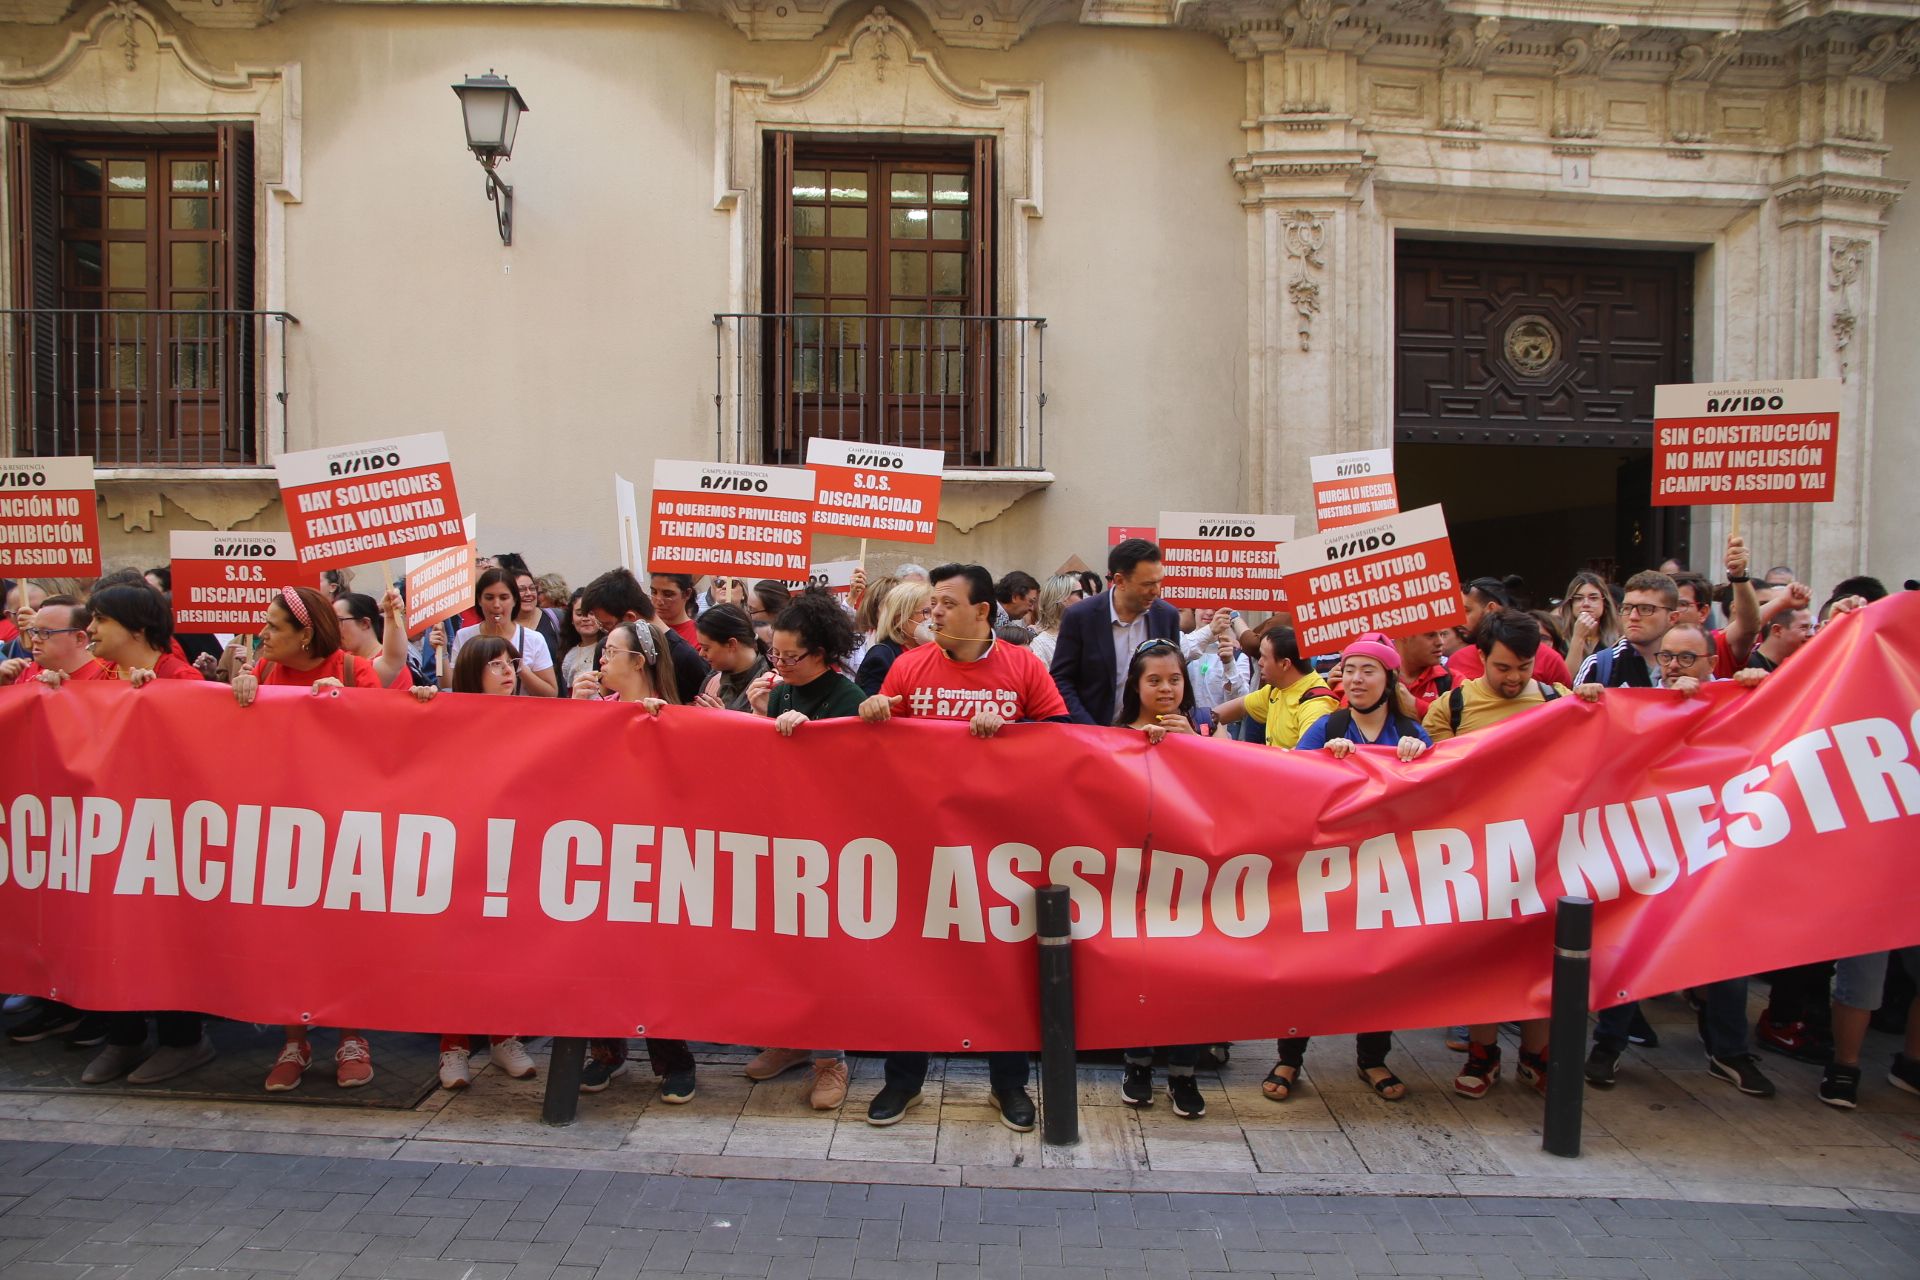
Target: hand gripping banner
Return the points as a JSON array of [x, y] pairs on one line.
[[358, 859]]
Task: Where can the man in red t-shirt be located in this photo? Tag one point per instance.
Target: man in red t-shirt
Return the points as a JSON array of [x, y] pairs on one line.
[[1732, 646], [1489, 595], [57, 639], [673, 603], [963, 675], [1423, 668]]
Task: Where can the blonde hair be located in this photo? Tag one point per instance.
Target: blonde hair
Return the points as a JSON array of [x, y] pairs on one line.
[[1053, 600], [897, 610]]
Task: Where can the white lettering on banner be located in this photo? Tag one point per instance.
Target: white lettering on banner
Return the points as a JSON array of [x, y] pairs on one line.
[[646, 875]]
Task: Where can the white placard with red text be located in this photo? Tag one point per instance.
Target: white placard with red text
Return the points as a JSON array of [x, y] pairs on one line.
[[1352, 488], [1394, 575], [223, 582], [358, 503], [1218, 560], [440, 583], [835, 576], [874, 491], [1727, 442], [730, 518], [49, 519]]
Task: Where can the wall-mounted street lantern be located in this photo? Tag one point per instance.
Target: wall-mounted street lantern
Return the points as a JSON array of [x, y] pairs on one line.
[[492, 109]]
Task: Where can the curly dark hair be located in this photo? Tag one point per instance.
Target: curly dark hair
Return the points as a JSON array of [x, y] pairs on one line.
[[817, 618]]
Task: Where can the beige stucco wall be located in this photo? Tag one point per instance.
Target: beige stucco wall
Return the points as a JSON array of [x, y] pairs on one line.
[[1893, 545], [587, 346]]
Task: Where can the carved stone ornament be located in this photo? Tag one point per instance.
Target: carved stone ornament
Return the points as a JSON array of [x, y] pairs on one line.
[[1467, 47], [1591, 54], [1703, 63], [1532, 345], [1845, 259], [1305, 238], [1310, 23], [1891, 55]]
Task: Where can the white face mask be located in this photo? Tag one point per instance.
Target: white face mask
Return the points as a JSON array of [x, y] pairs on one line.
[[924, 633]]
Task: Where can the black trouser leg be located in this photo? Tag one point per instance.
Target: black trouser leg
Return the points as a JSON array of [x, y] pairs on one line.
[[669, 1056]]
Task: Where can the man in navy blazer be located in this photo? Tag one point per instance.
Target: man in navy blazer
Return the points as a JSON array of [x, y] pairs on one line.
[[1098, 635]]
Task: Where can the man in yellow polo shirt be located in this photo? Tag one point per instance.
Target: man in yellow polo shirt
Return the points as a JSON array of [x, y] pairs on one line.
[[1292, 694]]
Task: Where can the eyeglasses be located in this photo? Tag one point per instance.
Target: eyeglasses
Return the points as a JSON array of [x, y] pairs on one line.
[[1148, 646], [611, 652], [780, 659], [500, 667], [1645, 608], [30, 634], [1667, 657]]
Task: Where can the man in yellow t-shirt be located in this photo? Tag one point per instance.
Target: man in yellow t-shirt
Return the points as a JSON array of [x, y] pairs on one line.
[[1292, 694]]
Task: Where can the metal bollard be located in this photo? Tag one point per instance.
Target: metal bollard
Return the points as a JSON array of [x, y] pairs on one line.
[[564, 1065], [1567, 1026], [1059, 1074]]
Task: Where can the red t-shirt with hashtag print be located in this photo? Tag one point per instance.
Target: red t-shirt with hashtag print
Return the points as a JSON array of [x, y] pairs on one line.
[[1008, 681]]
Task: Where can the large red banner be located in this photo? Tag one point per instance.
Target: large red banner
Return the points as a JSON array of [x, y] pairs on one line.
[[703, 877], [49, 518]]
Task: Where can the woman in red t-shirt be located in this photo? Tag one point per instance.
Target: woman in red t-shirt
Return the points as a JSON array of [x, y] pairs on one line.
[[132, 630]]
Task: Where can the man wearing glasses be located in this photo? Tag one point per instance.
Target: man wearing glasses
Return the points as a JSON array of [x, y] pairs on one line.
[[1645, 616], [57, 638]]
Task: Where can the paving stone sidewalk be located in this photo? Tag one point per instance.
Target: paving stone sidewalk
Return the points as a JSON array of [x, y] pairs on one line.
[[142, 1213]]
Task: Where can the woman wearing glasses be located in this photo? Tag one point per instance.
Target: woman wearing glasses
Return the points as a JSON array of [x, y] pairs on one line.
[[494, 597]]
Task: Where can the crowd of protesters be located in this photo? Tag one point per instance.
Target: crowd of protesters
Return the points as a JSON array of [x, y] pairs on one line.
[[953, 643]]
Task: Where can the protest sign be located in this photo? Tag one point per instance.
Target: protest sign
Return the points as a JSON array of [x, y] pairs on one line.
[[834, 575], [440, 583], [1394, 575], [1731, 442], [1352, 488], [1119, 533], [357, 503], [627, 510], [223, 582], [874, 491], [1214, 560], [49, 519], [729, 518]]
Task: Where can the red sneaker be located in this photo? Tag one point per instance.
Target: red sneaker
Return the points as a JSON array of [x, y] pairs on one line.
[[1533, 1069], [1794, 1040], [1480, 1072], [354, 1061], [292, 1063]]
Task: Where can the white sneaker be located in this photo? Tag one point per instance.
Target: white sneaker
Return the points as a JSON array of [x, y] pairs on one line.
[[511, 1057], [455, 1073]]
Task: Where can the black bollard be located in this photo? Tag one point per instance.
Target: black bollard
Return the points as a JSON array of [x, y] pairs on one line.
[[1567, 1026], [564, 1065], [1059, 1077]]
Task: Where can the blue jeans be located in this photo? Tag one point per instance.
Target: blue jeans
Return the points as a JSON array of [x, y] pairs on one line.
[[1005, 1071], [1723, 1026]]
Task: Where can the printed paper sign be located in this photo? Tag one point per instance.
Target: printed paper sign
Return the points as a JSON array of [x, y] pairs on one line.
[[729, 518], [440, 583], [834, 575], [223, 582], [627, 509], [1119, 533], [1216, 560], [1394, 575], [49, 522], [874, 491], [357, 503], [1352, 488], [1726, 442]]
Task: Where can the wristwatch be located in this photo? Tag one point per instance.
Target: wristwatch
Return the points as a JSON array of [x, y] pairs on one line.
[[1735, 581]]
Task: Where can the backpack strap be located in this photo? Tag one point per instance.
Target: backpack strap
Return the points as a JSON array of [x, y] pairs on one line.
[[1456, 707], [346, 670], [1318, 693], [1547, 692], [1338, 723]]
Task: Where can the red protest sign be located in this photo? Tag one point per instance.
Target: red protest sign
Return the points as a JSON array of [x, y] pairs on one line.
[[356, 503], [1727, 442], [223, 582], [728, 518], [440, 583], [1221, 560], [874, 491], [49, 522], [1119, 533], [1352, 488], [1394, 575]]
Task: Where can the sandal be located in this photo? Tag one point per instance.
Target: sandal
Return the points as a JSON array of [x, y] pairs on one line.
[[1277, 1087], [1386, 1082]]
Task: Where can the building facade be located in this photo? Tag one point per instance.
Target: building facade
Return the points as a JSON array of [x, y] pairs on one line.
[[1112, 258]]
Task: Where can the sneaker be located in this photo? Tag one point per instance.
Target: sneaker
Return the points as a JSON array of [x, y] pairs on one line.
[[829, 1084], [1136, 1086], [168, 1062], [353, 1062], [602, 1069], [17, 1004], [1794, 1040], [1015, 1108], [890, 1104], [90, 1034], [1187, 1102], [295, 1057], [1641, 1032], [677, 1087], [1904, 1073], [1602, 1063], [1742, 1071], [50, 1020], [1533, 1069], [1840, 1086], [1214, 1057], [456, 1068], [511, 1057], [113, 1062], [1457, 1039], [1480, 1072], [769, 1063]]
